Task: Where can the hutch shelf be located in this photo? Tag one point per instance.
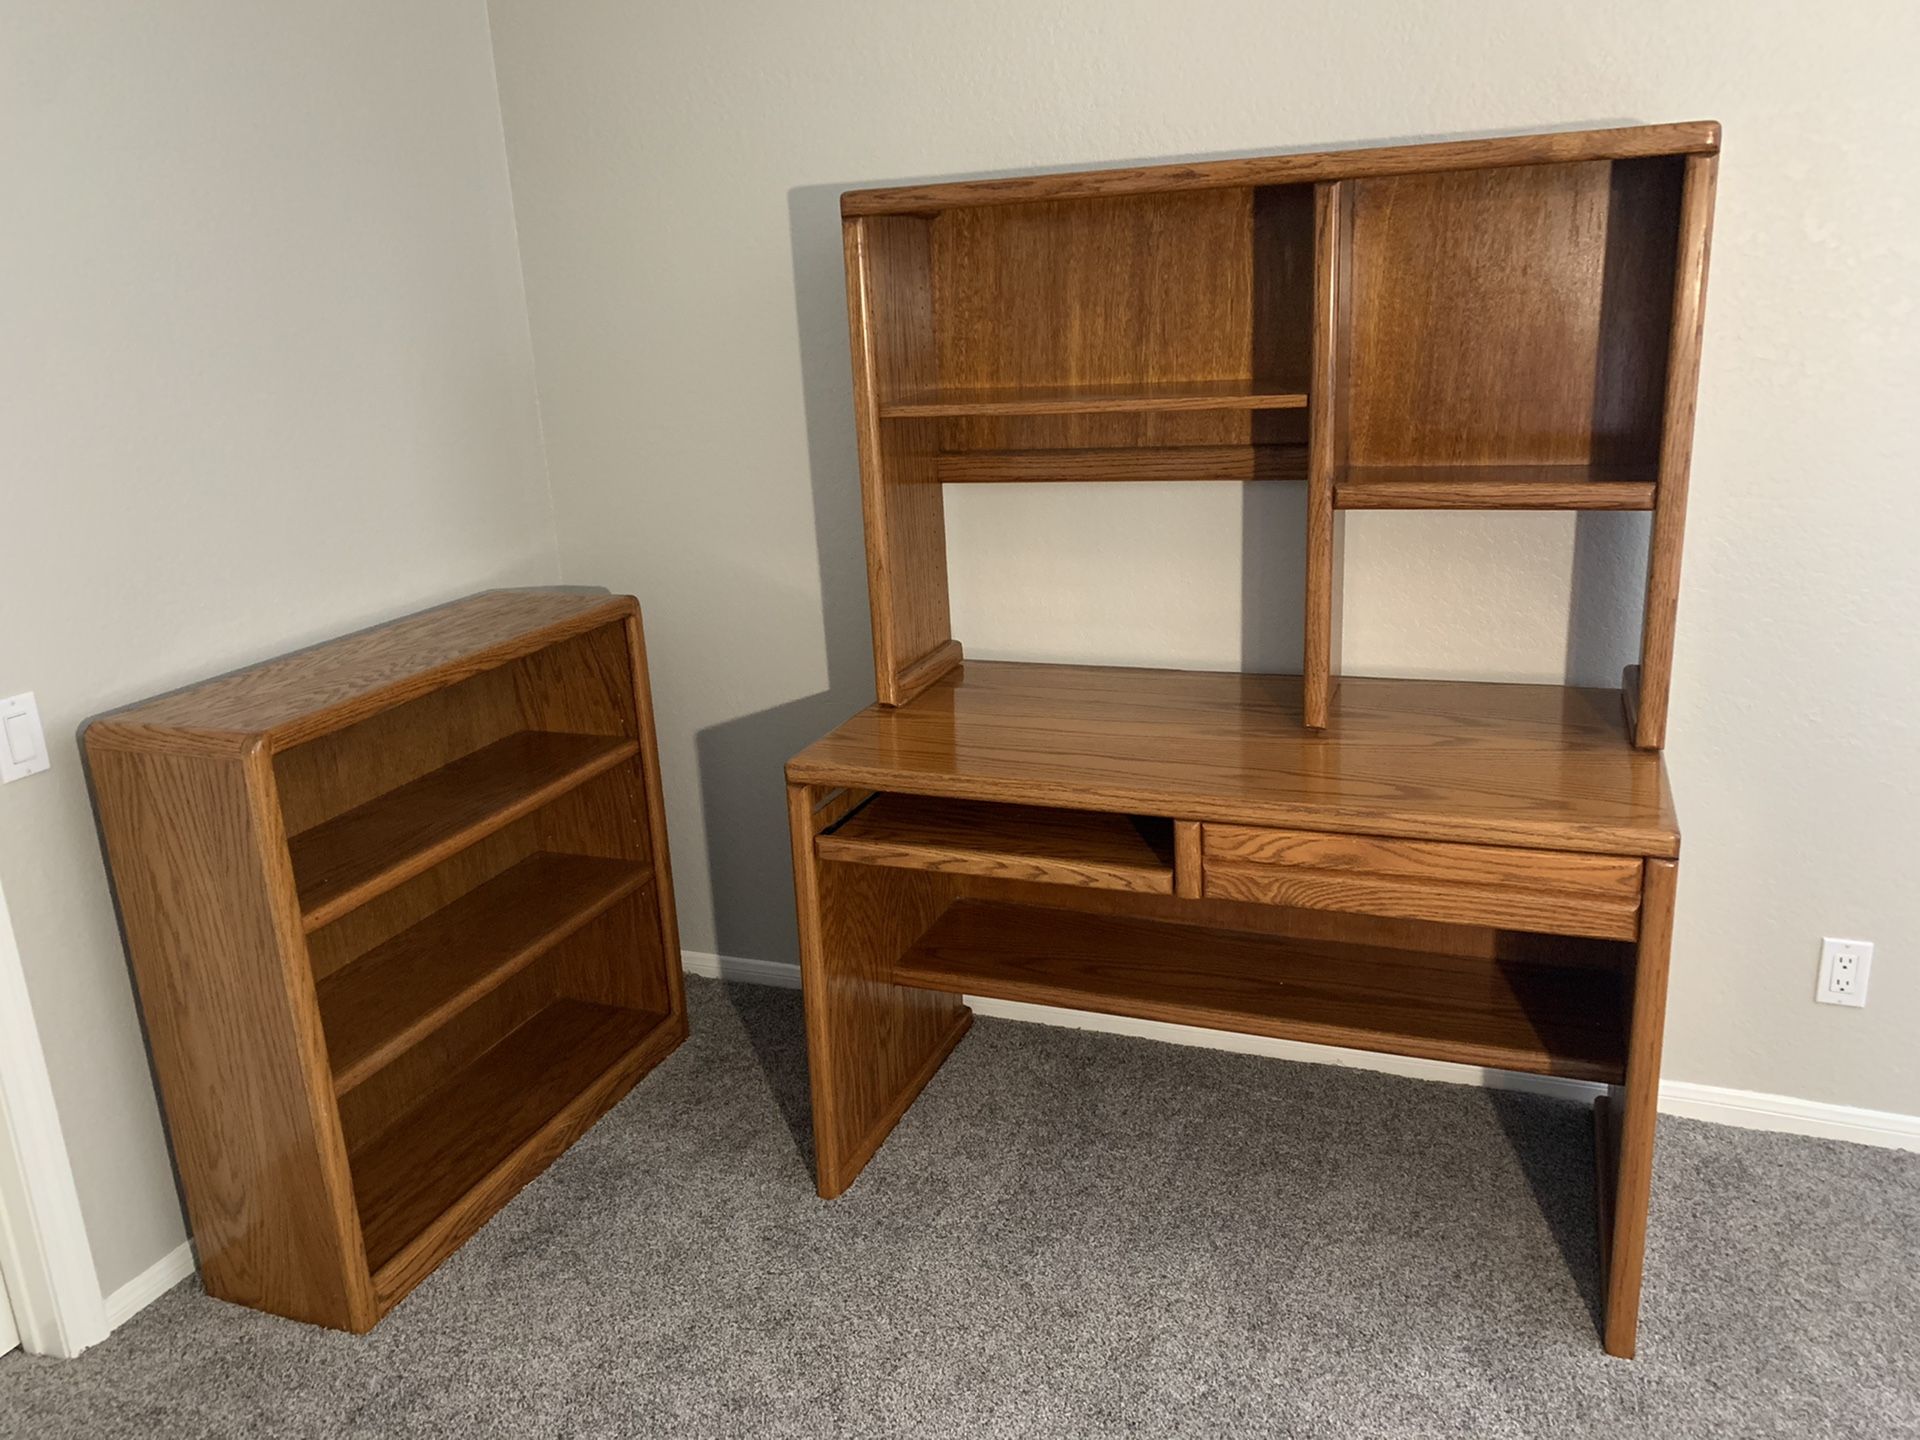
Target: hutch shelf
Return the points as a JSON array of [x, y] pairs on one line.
[[401, 916], [1465, 872]]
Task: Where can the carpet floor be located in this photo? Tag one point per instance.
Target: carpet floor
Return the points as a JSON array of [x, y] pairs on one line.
[[1075, 1234]]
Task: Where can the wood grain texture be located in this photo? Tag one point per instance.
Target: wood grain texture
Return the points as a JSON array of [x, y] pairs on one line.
[[1537, 1019], [329, 686], [1189, 859], [1529, 765], [1289, 922], [354, 857], [871, 1045], [1327, 444], [430, 946], [1146, 462], [1541, 890], [1545, 290], [666, 912], [1095, 324], [890, 316], [1113, 398], [436, 1176], [1620, 142], [1019, 842], [1491, 487], [237, 1047], [1638, 1109], [1676, 450], [386, 1001]]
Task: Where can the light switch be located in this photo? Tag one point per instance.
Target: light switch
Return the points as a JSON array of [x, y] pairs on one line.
[[23, 744]]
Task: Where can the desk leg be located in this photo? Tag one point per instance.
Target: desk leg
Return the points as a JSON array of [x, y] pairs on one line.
[[871, 1045], [1626, 1115]]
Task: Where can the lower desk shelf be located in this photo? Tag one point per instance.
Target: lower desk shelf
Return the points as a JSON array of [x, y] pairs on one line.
[[433, 1176], [1510, 1015]]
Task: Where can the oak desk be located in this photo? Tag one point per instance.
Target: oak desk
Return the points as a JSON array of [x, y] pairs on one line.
[[1467, 872]]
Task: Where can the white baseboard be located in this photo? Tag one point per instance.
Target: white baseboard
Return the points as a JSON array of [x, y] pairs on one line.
[[738, 967], [149, 1285], [1746, 1109], [1754, 1110]]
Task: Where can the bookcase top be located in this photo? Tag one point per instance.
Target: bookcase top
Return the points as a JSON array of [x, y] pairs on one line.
[[1621, 142], [328, 686]]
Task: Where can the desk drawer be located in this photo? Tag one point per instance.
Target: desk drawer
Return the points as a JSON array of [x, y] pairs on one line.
[[1542, 890]]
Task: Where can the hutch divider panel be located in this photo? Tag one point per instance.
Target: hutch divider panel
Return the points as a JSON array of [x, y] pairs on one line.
[[401, 917], [1464, 872], [1502, 324]]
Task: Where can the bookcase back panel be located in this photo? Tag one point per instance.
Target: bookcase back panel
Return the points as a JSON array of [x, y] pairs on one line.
[[605, 818], [1157, 289], [582, 686], [1512, 316]]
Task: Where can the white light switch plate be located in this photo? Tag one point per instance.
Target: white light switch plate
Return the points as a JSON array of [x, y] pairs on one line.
[[23, 744]]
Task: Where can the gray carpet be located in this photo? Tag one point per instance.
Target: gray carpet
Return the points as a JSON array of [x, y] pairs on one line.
[[1076, 1235]]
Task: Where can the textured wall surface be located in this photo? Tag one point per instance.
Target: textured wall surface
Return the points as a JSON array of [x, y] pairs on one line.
[[675, 174], [266, 378]]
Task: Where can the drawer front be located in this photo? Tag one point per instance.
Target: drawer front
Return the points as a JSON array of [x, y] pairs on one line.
[[1541, 890]]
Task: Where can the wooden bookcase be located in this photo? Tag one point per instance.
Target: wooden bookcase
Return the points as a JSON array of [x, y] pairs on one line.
[[401, 917], [1464, 872]]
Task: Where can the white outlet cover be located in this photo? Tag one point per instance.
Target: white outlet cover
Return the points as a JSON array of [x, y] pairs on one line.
[[1844, 965]]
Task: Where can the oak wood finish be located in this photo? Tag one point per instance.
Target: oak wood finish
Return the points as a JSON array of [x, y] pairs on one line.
[[1327, 439], [213, 931], [1146, 462], [1019, 842], [1469, 872], [1490, 487], [1676, 450], [476, 843], [1638, 1103], [1542, 890], [1542, 766], [890, 315], [1113, 398], [429, 1183], [871, 1045], [1463, 824], [1619, 143], [1501, 324], [1189, 859], [1540, 1019], [350, 860], [384, 1002]]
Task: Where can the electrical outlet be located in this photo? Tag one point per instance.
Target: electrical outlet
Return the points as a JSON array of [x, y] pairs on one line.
[[1843, 971]]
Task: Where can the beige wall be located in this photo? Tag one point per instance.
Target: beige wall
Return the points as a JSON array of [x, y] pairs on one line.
[[265, 377], [675, 174]]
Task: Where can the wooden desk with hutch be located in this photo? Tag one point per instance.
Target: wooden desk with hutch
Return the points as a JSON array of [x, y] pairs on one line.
[[1481, 873]]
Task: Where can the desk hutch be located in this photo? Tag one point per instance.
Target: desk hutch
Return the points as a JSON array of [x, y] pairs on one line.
[[1481, 873]]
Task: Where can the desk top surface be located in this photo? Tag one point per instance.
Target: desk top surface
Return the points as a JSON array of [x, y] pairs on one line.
[[1544, 766]]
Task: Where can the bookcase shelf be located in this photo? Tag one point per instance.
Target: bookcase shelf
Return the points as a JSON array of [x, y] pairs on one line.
[[1538, 1019], [344, 862], [1492, 487], [1152, 396], [477, 1138], [401, 916], [399, 992]]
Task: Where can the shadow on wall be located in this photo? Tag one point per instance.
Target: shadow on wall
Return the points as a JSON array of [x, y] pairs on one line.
[[742, 783], [1606, 595]]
